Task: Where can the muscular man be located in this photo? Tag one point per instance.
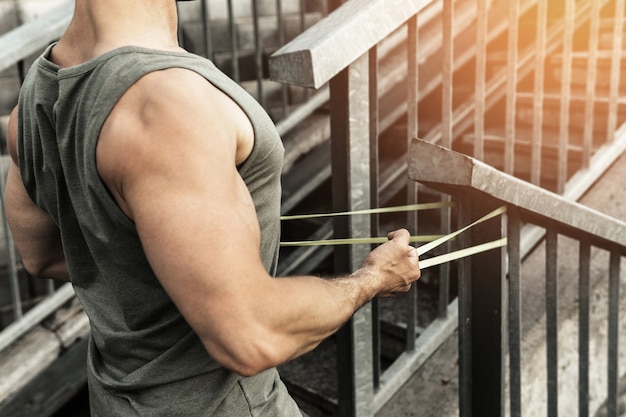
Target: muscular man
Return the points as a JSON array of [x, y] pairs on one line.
[[151, 180]]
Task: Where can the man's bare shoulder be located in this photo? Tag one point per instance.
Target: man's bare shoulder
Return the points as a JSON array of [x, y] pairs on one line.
[[165, 118]]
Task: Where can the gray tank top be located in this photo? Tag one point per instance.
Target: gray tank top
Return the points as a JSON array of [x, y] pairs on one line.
[[144, 359]]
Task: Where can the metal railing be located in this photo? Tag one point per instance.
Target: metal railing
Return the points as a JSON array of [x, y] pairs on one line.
[[439, 43], [492, 297], [471, 93]]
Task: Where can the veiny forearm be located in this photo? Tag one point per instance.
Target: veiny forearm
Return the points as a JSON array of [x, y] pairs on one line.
[[306, 309], [285, 319], [279, 319]]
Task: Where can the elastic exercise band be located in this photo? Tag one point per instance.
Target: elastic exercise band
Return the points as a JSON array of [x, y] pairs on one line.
[[473, 250], [432, 245], [433, 241], [357, 241], [396, 209]]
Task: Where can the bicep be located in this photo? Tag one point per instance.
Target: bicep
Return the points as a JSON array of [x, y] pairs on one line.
[[195, 217]]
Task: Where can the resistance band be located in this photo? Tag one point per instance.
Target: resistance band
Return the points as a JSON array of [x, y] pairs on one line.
[[396, 209], [357, 241], [433, 241]]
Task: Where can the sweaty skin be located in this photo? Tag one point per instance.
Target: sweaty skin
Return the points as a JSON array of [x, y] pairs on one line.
[[176, 139]]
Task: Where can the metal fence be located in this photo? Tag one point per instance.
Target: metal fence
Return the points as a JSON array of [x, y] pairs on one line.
[[495, 292], [530, 87]]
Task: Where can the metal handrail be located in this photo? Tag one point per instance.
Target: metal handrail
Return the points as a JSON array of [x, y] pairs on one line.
[[313, 58], [434, 164], [491, 296]]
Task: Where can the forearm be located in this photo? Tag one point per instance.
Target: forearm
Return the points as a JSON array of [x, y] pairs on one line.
[[279, 320], [51, 269], [43, 260], [308, 309], [36, 237], [276, 320]]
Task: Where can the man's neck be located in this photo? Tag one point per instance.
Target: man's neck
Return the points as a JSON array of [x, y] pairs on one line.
[[100, 26]]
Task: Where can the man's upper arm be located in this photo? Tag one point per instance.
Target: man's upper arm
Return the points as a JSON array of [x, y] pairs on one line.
[[35, 234], [177, 180]]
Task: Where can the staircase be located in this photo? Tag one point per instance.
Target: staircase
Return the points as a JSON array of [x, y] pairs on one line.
[[243, 40]]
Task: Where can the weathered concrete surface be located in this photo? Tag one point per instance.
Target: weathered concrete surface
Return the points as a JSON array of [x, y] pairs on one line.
[[433, 390], [13, 13]]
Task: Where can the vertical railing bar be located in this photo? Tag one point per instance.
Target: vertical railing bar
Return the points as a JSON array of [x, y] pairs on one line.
[[302, 15], [14, 285], [281, 41], [302, 29], [616, 60], [514, 230], [447, 126], [592, 70], [179, 35], [480, 82], [206, 29], [350, 129], [234, 48], [465, 324], [551, 321], [375, 200], [50, 287], [447, 50], [412, 132], [613, 335], [584, 288], [21, 70], [566, 93], [258, 54], [538, 94], [511, 86]]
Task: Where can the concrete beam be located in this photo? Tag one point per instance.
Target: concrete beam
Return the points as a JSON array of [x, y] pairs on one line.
[[433, 164], [31, 37], [313, 58]]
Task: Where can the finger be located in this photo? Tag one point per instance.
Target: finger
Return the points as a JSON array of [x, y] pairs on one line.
[[401, 235]]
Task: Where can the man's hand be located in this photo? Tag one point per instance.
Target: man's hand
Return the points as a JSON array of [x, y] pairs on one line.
[[393, 266]]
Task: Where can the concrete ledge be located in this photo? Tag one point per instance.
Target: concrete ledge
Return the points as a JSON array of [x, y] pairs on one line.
[[442, 168], [42, 346], [313, 58]]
